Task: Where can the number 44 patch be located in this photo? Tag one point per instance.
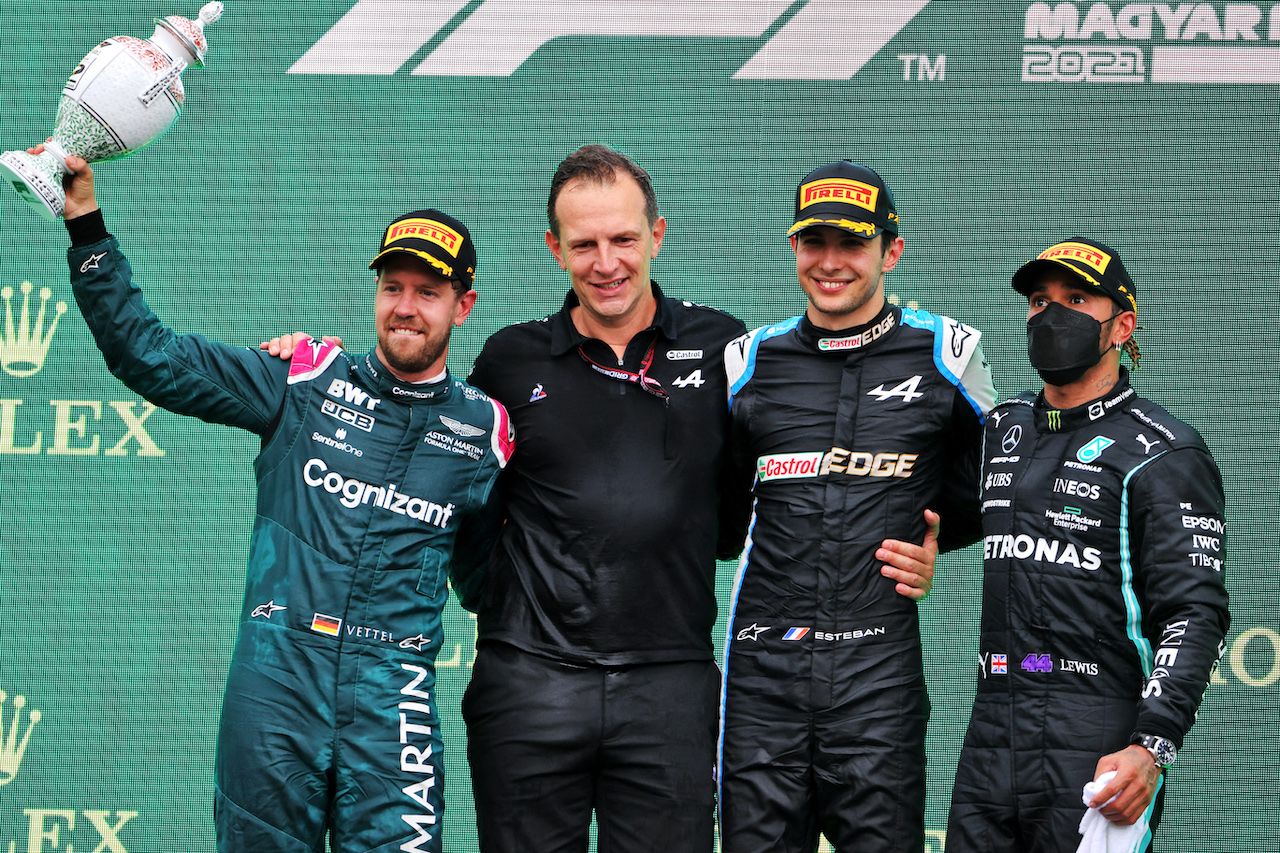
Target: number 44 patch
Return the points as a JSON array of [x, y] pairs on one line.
[[695, 379], [1037, 663]]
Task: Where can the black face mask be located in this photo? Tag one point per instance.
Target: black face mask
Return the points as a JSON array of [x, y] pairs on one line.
[[1062, 344]]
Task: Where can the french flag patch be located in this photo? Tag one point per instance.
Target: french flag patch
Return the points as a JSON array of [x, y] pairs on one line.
[[795, 633]]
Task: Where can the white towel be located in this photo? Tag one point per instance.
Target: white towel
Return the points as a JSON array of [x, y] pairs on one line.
[[1100, 834]]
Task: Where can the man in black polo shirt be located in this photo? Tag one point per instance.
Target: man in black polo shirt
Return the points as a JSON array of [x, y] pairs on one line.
[[595, 684]]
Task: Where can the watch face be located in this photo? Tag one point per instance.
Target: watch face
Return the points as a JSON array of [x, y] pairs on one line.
[[1162, 749]]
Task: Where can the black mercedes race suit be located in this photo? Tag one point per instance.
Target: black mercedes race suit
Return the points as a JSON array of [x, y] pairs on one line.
[[1103, 611], [853, 435], [370, 491]]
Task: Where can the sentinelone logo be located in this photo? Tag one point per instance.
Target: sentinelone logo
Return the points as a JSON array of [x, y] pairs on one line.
[[498, 36], [1189, 43]]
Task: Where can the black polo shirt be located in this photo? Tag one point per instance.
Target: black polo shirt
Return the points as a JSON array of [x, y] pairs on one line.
[[616, 498]]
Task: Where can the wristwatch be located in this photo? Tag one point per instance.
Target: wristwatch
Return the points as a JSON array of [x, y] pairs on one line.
[[1161, 748]]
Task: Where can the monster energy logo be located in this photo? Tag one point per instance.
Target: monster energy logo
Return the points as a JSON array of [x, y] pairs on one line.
[[1055, 419]]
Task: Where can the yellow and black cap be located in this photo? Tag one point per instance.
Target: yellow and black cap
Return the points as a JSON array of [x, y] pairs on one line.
[[848, 196], [436, 239], [1090, 262]]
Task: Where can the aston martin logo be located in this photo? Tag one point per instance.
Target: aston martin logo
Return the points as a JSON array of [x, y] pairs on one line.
[[459, 428]]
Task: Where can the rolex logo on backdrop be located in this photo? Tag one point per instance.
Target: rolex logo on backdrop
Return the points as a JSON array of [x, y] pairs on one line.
[[23, 346], [41, 826], [13, 738], [57, 427]]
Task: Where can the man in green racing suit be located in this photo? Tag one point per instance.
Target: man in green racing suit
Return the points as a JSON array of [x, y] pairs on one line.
[[374, 483]]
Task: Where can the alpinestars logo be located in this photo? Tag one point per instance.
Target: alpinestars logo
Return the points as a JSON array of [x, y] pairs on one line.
[[495, 37]]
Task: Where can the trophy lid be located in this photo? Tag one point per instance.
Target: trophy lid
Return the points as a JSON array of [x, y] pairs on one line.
[[191, 33]]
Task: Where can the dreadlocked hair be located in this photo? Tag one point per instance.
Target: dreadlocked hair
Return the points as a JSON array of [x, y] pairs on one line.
[[1131, 349]]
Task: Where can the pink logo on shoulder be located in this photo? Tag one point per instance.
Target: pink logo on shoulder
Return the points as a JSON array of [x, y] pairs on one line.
[[503, 434], [310, 359]]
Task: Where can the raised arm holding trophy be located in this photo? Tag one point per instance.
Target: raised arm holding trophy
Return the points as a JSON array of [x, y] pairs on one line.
[[122, 97]]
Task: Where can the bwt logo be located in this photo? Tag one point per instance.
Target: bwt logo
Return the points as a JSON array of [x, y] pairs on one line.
[[497, 36]]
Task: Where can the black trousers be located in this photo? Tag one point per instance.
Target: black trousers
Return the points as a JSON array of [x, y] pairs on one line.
[[823, 740], [549, 741], [1024, 762]]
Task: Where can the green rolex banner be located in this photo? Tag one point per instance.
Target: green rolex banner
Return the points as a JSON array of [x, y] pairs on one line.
[[1002, 127]]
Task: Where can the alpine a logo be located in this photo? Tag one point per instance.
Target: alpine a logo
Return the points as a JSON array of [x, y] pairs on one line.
[[495, 37]]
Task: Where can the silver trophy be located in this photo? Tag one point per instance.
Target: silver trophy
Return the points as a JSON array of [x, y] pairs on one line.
[[122, 97]]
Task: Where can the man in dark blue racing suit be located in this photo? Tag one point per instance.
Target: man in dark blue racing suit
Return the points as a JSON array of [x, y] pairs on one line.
[[374, 486], [857, 418]]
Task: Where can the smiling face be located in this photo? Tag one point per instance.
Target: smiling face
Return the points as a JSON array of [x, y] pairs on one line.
[[605, 243], [843, 274], [416, 309]]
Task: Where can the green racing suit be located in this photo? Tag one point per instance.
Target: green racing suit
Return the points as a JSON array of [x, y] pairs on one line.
[[371, 494]]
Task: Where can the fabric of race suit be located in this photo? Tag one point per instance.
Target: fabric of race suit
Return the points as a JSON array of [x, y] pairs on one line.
[[370, 492], [852, 435], [1103, 611]]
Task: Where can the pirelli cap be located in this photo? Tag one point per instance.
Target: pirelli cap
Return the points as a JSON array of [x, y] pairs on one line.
[[845, 195], [435, 238], [1096, 265]]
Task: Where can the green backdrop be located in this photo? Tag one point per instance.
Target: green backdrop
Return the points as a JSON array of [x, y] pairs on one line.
[[1002, 127]]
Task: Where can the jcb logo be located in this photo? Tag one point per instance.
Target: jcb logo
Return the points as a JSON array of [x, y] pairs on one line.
[[498, 36]]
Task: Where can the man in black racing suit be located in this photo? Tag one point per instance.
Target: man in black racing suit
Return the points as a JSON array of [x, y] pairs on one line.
[[853, 436], [1104, 609], [375, 481]]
